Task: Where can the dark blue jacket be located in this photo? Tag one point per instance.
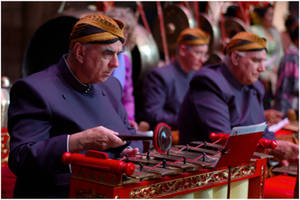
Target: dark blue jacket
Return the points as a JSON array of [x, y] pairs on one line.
[[163, 91]]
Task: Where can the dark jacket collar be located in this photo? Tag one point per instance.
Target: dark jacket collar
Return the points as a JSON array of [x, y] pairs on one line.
[[178, 67], [70, 78], [230, 77]]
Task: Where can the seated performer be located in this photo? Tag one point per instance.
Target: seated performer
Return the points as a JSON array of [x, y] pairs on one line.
[[287, 87], [72, 106], [164, 87], [226, 95], [262, 18]]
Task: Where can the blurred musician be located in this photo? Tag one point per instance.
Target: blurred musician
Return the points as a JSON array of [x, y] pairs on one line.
[[164, 87], [72, 106], [226, 95], [287, 88], [262, 18]]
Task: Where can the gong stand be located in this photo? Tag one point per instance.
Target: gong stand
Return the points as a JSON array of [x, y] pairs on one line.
[[144, 19], [163, 32]]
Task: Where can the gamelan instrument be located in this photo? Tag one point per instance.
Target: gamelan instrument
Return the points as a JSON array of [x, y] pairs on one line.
[[161, 139], [176, 19], [230, 166]]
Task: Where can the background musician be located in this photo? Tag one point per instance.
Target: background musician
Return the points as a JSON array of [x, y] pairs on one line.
[[164, 87], [262, 18], [287, 87]]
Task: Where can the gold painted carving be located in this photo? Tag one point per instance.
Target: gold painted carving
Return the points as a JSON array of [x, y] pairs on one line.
[[191, 182]]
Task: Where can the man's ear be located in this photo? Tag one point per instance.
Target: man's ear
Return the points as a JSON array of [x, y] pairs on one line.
[[234, 58], [78, 49], [182, 50]]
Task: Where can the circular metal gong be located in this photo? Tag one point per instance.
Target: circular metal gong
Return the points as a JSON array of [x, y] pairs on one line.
[[162, 139], [207, 26], [51, 41], [234, 25], [215, 57], [145, 55], [176, 19], [48, 44]]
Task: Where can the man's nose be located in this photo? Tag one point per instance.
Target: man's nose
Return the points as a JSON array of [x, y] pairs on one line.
[[261, 67], [114, 61], [203, 59]]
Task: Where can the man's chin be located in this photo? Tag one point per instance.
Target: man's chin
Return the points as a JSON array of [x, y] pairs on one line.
[[250, 82], [100, 80], [104, 79], [197, 68], [256, 79]]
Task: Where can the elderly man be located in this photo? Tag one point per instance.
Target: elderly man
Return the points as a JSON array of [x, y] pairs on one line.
[[228, 94], [164, 87], [72, 106]]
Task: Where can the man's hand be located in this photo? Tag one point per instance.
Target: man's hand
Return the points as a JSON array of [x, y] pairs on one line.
[[130, 151], [143, 126], [98, 138], [134, 124], [273, 116], [286, 152]]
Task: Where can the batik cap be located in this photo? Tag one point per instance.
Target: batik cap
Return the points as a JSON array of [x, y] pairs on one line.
[[97, 28], [246, 41], [193, 36]]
